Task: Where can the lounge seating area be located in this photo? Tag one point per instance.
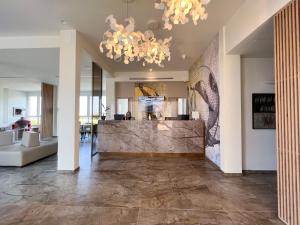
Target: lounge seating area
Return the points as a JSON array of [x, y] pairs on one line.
[[24, 152]]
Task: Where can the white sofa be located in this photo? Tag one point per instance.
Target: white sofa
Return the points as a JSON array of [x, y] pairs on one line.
[[7, 138], [19, 155]]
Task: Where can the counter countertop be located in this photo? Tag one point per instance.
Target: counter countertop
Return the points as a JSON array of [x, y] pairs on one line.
[[152, 136]]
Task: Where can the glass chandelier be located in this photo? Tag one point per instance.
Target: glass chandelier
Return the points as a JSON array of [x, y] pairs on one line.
[[156, 51], [177, 11], [123, 42]]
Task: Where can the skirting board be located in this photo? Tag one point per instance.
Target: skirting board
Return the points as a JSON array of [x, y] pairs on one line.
[[245, 172], [117, 155]]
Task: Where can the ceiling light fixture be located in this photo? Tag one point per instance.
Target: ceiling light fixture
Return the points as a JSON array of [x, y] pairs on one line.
[[176, 11], [155, 51], [123, 43]]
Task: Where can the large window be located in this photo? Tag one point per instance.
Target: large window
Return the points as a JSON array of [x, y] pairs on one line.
[[34, 110], [83, 111], [122, 105], [89, 105], [181, 106]]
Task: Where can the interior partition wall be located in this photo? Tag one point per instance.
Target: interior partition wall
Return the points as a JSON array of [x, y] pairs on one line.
[[287, 66], [96, 104]]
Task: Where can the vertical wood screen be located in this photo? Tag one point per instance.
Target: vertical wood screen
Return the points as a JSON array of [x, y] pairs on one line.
[[287, 66], [47, 111]]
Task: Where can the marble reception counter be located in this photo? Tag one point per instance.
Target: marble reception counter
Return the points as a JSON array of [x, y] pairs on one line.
[[177, 136]]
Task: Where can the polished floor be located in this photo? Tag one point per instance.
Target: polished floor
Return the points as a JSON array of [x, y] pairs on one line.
[[135, 192]]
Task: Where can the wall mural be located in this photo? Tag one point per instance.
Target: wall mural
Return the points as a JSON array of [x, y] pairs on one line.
[[207, 88], [204, 97]]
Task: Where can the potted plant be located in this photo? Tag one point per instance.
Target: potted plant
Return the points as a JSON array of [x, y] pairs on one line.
[[106, 109]]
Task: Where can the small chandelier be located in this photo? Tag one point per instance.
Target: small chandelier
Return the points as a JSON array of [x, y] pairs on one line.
[[176, 11], [123, 42], [156, 51]]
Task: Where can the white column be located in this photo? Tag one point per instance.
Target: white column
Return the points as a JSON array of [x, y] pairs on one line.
[[230, 110], [110, 96], [55, 99], [68, 101], [1, 106]]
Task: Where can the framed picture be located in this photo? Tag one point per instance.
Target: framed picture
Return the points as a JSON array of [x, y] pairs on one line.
[[263, 111], [17, 111]]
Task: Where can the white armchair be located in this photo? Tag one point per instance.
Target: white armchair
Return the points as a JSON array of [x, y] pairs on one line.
[[7, 138]]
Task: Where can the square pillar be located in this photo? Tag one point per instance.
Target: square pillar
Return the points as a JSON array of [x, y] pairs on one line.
[[68, 101], [230, 110]]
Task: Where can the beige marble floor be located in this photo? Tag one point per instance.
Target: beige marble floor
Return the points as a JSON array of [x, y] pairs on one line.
[[135, 192]]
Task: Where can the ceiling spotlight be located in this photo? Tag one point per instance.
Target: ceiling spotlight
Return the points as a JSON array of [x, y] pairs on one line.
[[63, 22], [150, 70], [183, 56]]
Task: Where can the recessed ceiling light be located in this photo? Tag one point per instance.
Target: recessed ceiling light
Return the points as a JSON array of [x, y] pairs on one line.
[[128, 1], [183, 56], [63, 22], [150, 70]]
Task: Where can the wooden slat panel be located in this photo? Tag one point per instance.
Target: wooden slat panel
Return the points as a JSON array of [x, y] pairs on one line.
[[297, 60], [47, 111], [287, 66]]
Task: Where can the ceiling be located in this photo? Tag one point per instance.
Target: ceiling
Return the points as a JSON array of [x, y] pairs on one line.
[[21, 84], [43, 17], [25, 69], [37, 64], [260, 44]]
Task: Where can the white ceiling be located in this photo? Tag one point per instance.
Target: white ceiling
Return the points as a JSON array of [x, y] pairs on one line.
[[36, 64], [21, 84], [260, 44], [43, 17]]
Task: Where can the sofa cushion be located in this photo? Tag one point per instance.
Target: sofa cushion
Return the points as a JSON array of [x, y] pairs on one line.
[[7, 138], [31, 139]]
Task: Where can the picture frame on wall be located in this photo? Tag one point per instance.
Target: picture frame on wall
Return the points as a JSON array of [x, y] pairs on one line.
[[18, 111], [263, 111]]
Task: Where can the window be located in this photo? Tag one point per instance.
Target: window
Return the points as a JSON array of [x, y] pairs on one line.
[[96, 107], [83, 109], [34, 109], [122, 105], [181, 106], [103, 103], [32, 106]]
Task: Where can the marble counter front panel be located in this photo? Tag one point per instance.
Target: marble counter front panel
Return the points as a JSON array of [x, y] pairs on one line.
[[176, 136]]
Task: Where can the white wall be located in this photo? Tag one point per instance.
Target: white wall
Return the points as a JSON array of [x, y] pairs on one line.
[[259, 146], [55, 109], [248, 18], [1, 106], [8, 100], [110, 97], [230, 110]]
